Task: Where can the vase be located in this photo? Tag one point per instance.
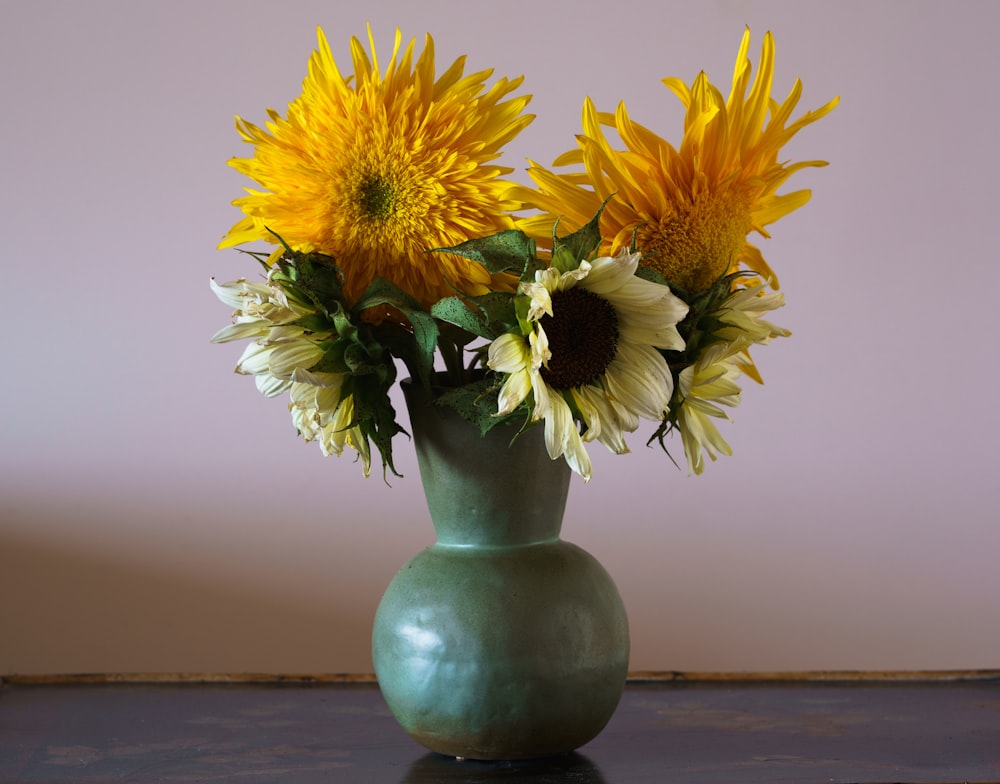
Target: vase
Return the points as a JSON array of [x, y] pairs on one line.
[[500, 641]]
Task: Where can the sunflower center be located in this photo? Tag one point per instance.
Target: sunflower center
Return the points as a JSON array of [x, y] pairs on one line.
[[694, 245], [377, 197], [583, 338]]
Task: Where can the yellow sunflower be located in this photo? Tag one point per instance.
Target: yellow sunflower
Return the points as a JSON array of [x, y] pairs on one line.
[[690, 208], [376, 169]]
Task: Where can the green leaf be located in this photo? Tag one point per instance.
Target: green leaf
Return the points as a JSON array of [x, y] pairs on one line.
[[425, 329], [486, 316], [476, 402], [384, 292], [510, 250], [497, 308], [455, 310]]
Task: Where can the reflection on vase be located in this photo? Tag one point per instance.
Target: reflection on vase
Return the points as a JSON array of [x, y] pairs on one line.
[[438, 769]]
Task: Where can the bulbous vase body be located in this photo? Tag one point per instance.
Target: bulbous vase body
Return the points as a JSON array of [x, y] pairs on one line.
[[500, 641]]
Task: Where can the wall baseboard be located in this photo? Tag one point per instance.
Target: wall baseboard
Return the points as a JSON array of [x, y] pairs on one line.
[[644, 676]]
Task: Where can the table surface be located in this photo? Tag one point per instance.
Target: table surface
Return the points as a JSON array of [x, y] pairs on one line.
[[662, 732]]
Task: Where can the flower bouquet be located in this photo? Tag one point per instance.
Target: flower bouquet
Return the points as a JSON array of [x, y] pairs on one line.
[[620, 287]]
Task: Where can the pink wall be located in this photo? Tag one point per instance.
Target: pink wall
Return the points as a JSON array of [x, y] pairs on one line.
[[157, 514]]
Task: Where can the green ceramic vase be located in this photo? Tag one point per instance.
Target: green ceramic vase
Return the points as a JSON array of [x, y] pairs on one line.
[[500, 641]]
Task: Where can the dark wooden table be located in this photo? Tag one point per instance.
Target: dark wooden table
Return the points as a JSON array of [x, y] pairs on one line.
[[663, 732]]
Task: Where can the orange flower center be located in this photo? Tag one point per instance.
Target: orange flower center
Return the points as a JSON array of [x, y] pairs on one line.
[[694, 244]]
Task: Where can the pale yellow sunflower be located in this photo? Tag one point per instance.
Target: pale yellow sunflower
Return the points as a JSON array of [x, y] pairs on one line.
[[690, 208], [711, 381], [279, 357], [705, 386], [377, 169], [591, 354]]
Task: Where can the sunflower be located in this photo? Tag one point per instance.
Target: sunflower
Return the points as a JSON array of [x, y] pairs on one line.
[[711, 380], [280, 356], [741, 321], [703, 387], [590, 353], [375, 170], [688, 209], [321, 412]]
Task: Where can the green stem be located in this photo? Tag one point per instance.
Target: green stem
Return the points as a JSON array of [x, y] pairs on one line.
[[451, 352]]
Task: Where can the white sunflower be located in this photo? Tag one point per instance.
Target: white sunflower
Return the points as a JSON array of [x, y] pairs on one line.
[[590, 359], [741, 316], [704, 387], [322, 413], [711, 382], [280, 356]]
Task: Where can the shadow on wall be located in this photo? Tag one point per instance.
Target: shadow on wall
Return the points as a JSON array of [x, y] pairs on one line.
[[66, 610]]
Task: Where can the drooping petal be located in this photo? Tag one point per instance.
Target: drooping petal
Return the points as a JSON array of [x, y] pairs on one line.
[[241, 331], [513, 392], [601, 418], [640, 381], [508, 354], [562, 439]]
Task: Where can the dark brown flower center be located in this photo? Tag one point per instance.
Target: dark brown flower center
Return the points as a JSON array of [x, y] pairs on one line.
[[583, 338]]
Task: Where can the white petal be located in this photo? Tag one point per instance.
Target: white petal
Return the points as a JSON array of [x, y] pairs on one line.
[[602, 421], [570, 278], [513, 392], [241, 330], [234, 292], [271, 386], [254, 359], [287, 357], [543, 398], [608, 274], [563, 438], [639, 380], [662, 335], [541, 299], [324, 380], [508, 354], [540, 351]]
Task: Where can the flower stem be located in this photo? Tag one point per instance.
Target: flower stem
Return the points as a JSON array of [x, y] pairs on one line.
[[451, 353]]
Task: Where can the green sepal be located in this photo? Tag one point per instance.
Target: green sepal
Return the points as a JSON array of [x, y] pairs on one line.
[[650, 274], [702, 322], [521, 307], [317, 280], [581, 245], [314, 322], [375, 415], [332, 360]]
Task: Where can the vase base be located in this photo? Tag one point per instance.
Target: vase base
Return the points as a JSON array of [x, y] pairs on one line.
[[570, 766]]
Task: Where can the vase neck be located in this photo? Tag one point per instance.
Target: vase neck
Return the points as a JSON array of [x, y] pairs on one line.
[[491, 490]]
